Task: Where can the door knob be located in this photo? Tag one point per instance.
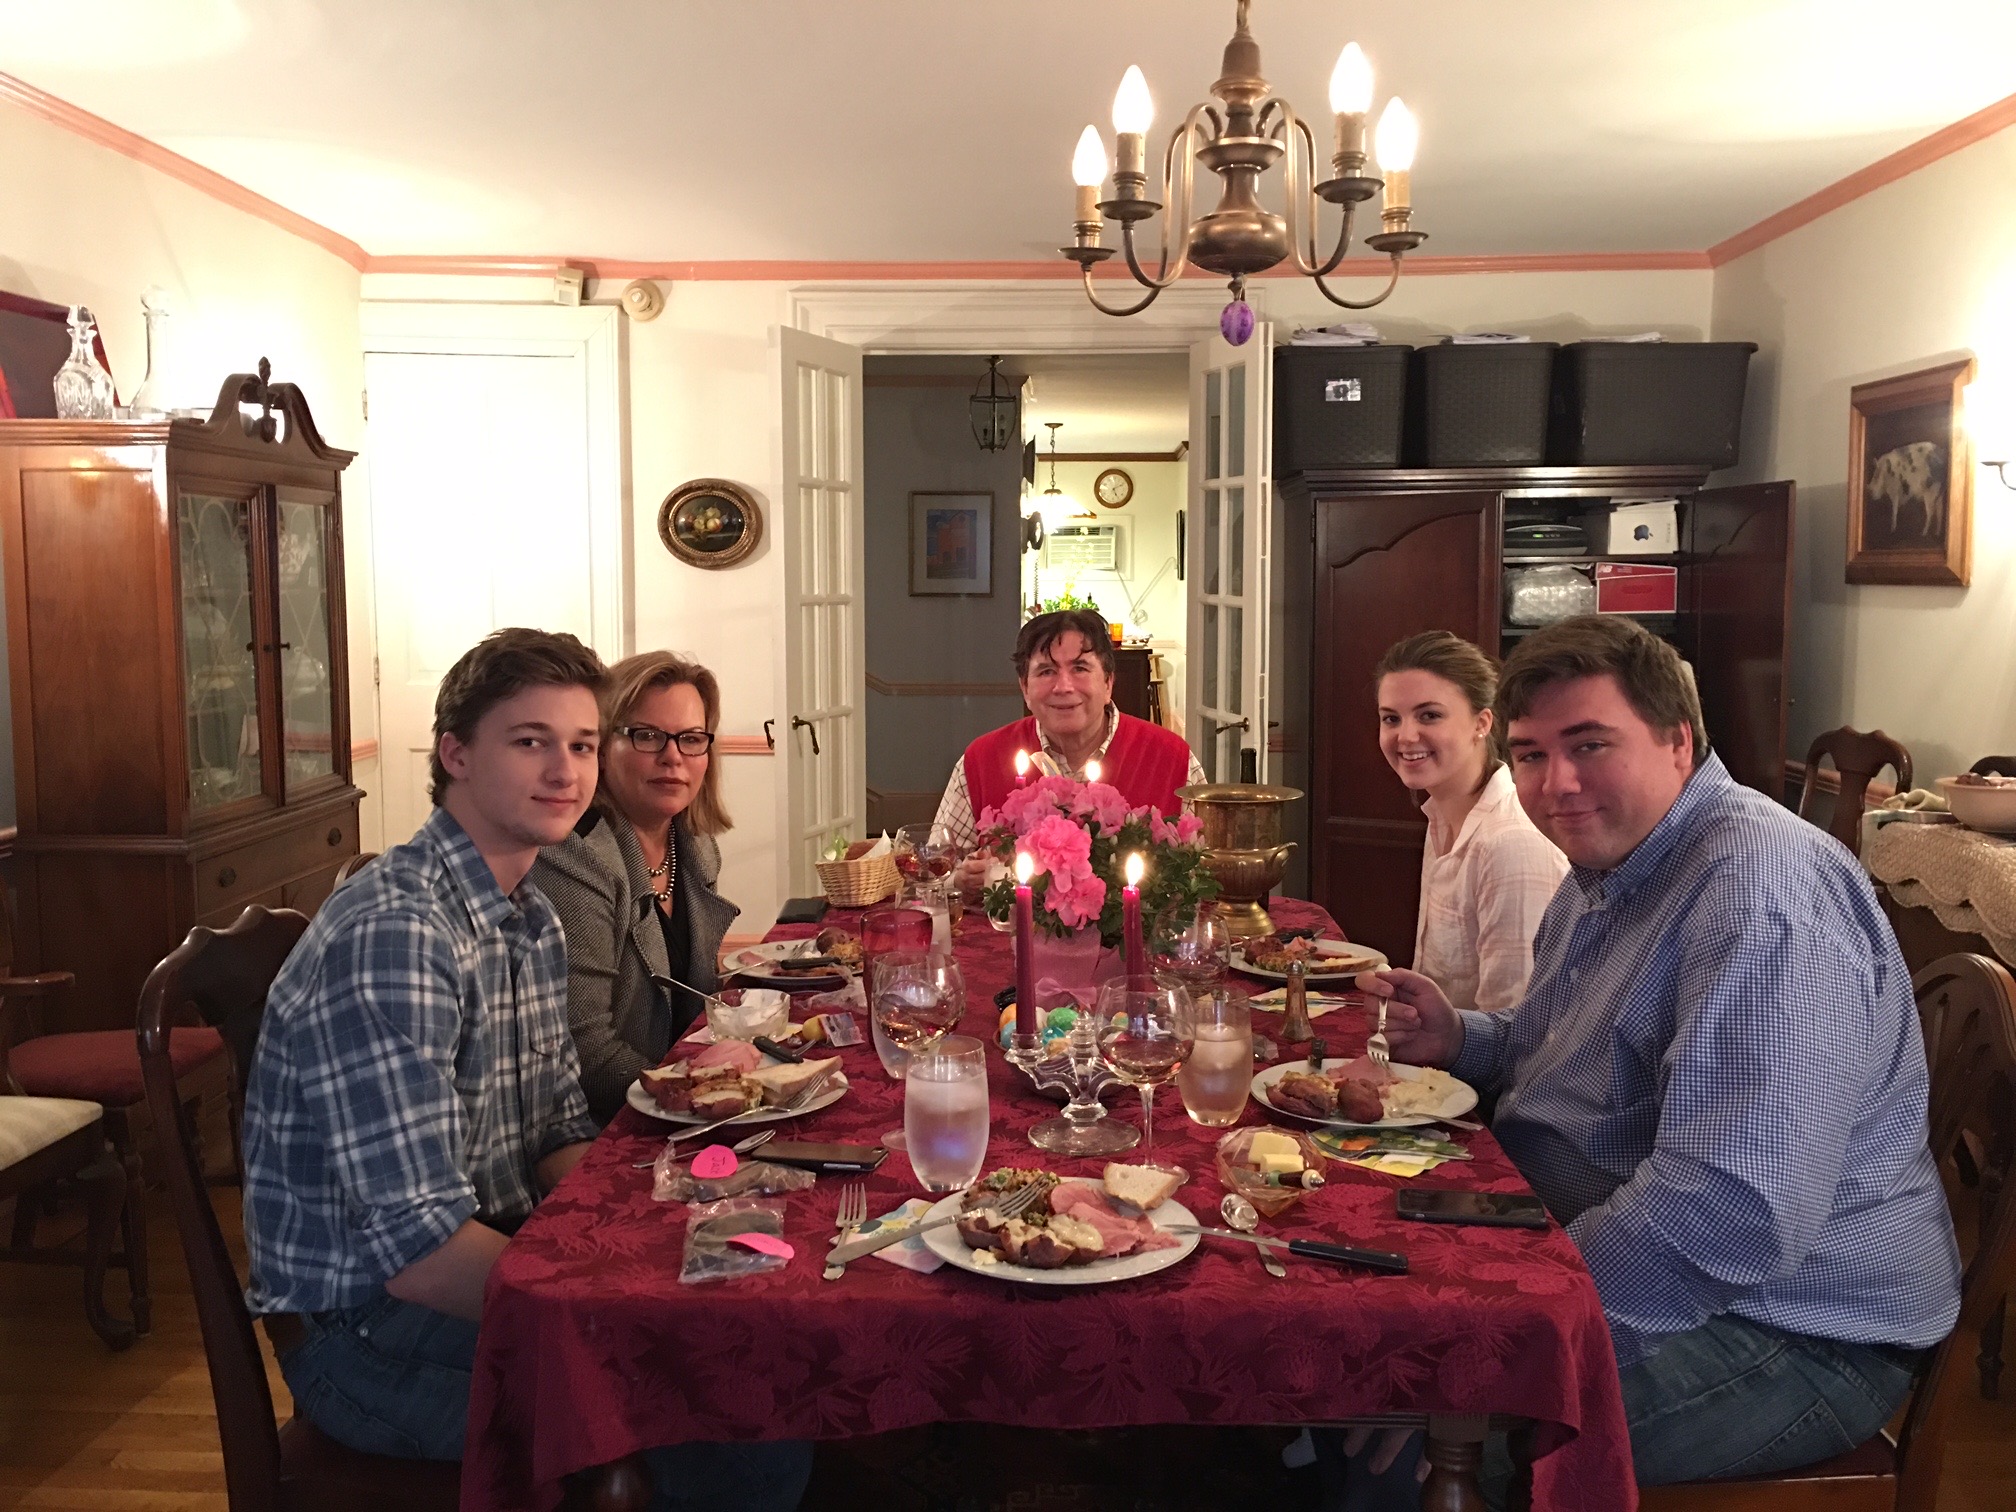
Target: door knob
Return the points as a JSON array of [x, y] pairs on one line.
[[812, 729], [769, 737]]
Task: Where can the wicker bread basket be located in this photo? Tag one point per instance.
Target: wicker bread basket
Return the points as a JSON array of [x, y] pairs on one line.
[[858, 883]]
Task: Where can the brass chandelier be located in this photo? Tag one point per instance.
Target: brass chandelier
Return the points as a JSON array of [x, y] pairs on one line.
[[1242, 237]]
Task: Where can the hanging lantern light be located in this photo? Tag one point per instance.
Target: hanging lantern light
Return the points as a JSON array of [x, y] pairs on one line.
[[992, 409]]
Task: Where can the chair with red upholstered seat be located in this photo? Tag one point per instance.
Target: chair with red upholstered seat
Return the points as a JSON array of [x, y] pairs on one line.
[[1967, 1005], [1857, 759], [46, 1140], [224, 978]]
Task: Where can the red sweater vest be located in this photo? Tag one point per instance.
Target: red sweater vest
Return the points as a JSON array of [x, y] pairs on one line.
[[1145, 762]]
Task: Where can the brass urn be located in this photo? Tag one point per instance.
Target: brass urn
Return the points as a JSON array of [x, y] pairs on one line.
[[1243, 848]]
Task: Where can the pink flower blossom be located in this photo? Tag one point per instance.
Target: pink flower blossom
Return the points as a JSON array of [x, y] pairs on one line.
[[1188, 828], [1078, 904]]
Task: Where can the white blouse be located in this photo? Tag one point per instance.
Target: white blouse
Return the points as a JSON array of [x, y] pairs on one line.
[[1482, 894]]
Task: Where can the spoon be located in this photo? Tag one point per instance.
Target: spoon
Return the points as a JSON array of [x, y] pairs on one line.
[[1240, 1214], [740, 1147]]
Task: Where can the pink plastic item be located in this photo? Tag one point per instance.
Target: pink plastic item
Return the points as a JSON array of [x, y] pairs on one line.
[[764, 1244], [714, 1162]]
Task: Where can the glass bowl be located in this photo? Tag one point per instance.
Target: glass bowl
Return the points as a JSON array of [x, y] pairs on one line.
[[746, 1014], [1271, 1201]]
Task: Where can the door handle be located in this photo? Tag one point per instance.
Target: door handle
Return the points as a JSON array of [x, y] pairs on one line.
[[769, 737], [1222, 725], [812, 729]]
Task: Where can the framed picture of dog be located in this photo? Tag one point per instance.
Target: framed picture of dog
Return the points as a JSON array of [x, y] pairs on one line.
[[1911, 479]]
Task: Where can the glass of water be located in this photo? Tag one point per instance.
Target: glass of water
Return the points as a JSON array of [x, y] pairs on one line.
[[945, 1113]]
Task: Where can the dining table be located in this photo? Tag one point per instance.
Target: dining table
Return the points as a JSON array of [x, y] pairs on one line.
[[592, 1349]]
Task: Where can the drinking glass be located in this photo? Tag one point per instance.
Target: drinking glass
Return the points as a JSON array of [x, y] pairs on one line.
[[1189, 947], [1145, 1035], [1215, 1079], [923, 853], [945, 1114], [917, 999], [887, 929]]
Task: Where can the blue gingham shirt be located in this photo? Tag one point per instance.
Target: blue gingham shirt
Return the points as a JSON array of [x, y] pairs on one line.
[[1717, 1081], [413, 1068]]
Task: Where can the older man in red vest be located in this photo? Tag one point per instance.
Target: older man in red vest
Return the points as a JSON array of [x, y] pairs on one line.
[[1064, 662]]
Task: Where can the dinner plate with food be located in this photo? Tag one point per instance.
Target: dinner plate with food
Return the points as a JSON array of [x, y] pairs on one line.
[[1325, 960], [732, 1078], [825, 960], [1077, 1233], [1356, 1094]]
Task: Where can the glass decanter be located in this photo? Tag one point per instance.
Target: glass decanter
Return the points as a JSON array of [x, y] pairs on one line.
[[147, 401], [83, 387]]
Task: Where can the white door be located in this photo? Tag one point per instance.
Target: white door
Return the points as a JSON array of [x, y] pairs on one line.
[[482, 518], [1229, 526], [823, 739]]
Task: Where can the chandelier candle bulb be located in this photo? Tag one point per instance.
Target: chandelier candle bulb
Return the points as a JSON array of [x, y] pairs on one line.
[[1130, 915], [1026, 1018], [1399, 135], [1088, 171], [1350, 99]]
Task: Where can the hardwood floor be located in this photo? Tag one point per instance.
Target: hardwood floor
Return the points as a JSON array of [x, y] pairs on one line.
[[82, 1428]]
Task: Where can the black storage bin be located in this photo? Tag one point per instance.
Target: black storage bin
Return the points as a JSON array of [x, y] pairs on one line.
[[1646, 402], [1479, 405], [1338, 406]]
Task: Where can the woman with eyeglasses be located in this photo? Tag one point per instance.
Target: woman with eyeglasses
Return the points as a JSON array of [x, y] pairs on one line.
[[634, 883]]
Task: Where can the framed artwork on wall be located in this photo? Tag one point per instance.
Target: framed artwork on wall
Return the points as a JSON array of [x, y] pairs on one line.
[[952, 544], [711, 523], [1911, 479]]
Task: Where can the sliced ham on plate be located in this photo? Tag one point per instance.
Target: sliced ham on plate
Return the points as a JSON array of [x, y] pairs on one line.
[[1123, 1235]]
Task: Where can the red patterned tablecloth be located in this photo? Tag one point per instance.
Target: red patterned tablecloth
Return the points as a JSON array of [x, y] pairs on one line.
[[591, 1349]]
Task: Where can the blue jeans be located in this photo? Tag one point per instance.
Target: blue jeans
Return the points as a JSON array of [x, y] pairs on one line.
[[392, 1377], [1729, 1398]]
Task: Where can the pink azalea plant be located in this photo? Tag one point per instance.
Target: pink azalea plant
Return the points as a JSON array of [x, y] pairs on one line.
[[1079, 834]]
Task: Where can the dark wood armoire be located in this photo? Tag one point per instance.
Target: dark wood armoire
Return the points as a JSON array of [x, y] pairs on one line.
[[179, 687], [1398, 552]]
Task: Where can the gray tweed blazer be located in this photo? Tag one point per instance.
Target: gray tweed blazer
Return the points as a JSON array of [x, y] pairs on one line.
[[619, 1002]]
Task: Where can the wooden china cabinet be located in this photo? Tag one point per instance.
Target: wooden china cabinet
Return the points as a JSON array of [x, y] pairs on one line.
[[1402, 551], [181, 709]]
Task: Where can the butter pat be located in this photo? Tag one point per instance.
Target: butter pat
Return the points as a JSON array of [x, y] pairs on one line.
[[1273, 1164], [1272, 1142]]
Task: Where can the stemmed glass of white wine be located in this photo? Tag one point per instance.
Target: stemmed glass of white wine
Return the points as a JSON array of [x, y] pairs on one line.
[[1145, 1034]]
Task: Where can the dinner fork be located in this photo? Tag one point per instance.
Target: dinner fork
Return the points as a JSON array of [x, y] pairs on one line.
[[1013, 1205], [847, 1220], [1376, 1049]]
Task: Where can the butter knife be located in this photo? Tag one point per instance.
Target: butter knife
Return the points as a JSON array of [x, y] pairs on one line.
[[1386, 1261]]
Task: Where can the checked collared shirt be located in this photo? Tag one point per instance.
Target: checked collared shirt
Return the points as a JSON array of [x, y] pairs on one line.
[[1717, 1081], [413, 1067]]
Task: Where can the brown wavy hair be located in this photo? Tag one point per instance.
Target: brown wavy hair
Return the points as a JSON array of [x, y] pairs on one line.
[[1454, 660], [634, 679], [502, 665], [1657, 684]]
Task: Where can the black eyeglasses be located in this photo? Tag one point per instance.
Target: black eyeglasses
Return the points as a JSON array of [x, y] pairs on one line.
[[651, 740]]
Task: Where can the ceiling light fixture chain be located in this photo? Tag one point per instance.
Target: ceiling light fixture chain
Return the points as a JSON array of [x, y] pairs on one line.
[[1241, 236]]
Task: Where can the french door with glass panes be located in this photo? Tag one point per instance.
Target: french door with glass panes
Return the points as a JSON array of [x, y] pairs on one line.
[[1229, 528]]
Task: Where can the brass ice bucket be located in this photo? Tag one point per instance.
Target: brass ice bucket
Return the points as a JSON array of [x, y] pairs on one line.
[[1243, 848]]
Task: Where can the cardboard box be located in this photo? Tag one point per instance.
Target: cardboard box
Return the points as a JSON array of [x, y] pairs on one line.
[[1643, 529], [1636, 588]]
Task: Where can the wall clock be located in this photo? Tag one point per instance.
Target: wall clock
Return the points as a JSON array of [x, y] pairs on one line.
[[710, 522], [1113, 488]]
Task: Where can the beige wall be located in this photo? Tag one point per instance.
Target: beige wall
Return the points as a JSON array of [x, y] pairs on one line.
[[1921, 271], [81, 224]]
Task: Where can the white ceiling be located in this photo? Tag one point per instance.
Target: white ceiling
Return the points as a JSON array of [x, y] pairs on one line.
[[942, 129], [1121, 402]]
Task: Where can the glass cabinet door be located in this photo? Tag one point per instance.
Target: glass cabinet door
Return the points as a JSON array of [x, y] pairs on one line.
[[221, 664], [307, 686]]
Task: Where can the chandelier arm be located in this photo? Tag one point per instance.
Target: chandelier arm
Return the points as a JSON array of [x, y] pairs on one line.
[[1103, 309], [1179, 196], [1362, 304], [1302, 200]]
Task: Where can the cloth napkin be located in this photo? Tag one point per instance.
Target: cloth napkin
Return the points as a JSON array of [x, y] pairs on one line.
[[1919, 799], [911, 1254]]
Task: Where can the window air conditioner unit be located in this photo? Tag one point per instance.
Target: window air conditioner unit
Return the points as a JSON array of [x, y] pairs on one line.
[[1086, 548]]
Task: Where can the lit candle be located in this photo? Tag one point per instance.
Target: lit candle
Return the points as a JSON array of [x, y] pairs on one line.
[[1350, 98], [1130, 915], [1133, 113], [1026, 1021], [1395, 143], [1088, 171], [1092, 770], [1021, 767]]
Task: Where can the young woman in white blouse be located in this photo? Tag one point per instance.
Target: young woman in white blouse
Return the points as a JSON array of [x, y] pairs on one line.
[[1486, 873]]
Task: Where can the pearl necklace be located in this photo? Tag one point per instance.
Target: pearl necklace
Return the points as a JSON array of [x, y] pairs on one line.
[[668, 868]]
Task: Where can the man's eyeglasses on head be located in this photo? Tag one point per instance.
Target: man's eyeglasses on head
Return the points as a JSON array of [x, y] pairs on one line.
[[651, 740]]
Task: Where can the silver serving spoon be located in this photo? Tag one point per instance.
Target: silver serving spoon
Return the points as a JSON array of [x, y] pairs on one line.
[[1240, 1214], [740, 1147]]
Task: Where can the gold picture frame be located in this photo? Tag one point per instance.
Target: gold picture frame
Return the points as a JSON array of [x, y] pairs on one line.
[[711, 523], [1911, 479]]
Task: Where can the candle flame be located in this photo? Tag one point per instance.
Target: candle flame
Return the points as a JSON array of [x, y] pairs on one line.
[[1021, 763], [1092, 770], [1135, 867], [1025, 868]]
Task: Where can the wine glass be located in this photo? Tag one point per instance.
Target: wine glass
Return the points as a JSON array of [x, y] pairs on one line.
[[1145, 1034], [923, 852], [1189, 947], [917, 999]]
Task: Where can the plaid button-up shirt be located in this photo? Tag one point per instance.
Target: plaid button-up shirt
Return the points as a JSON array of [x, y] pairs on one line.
[[413, 1068]]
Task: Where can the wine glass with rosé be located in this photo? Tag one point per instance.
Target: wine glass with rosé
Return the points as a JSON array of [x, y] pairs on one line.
[[918, 999], [1146, 1032], [924, 853]]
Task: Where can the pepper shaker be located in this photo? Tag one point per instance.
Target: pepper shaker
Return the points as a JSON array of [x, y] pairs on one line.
[[1295, 1022]]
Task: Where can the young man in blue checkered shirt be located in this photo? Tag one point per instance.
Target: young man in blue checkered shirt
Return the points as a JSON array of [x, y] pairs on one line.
[[1716, 1080], [415, 1091]]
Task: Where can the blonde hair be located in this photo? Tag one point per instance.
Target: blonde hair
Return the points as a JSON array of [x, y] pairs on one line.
[[634, 679]]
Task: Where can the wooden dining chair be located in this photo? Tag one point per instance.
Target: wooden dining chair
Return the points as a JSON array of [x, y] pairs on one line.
[[1967, 1006], [353, 866], [1994, 766], [45, 1141], [1857, 759], [269, 1467]]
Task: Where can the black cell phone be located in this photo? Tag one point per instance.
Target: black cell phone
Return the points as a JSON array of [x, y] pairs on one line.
[[802, 911], [1487, 1209], [821, 1157]]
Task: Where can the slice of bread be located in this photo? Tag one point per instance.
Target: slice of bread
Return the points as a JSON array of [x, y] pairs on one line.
[[780, 1083], [1143, 1187]]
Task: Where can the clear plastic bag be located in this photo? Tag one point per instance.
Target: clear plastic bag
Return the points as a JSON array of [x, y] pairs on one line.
[[1542, 595], [710, 1226], [672, 1180]]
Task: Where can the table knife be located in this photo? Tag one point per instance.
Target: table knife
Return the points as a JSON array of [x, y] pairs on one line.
[[1387, 1261]]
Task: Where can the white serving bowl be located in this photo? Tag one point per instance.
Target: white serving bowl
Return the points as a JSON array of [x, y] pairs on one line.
[[1982, 808]]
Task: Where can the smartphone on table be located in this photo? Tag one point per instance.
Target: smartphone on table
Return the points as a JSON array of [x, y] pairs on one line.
[[1488, 1209], [821, 1157]]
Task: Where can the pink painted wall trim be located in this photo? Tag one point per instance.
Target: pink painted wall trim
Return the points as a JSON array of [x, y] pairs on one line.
[[742, 745], [227, 191], [1922, 153]]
